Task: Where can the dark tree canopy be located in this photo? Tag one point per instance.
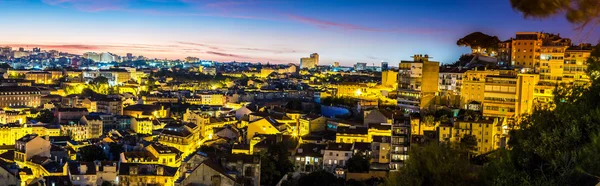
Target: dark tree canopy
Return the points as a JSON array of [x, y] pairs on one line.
[[581, 12], [319, 178], [479, 40], [92, 153], [358, 163]]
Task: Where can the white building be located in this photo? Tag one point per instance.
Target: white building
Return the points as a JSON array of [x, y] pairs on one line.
[[336, 156]]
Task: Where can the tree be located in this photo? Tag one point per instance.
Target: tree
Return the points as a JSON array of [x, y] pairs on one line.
[[91, 153], [358, 163], [45, 116], [469, 143], [275, 163], [115, 150], [479, 40], [581, 12], [434, 164], [320, 177]]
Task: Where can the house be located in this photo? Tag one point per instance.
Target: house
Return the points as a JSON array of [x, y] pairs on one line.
[[207, 173], [308, 157], [31, 145], [311, 123], [336, 156], [83, 173], [154, 153], [146, 174], [351, 134], [183, 136], [9, 174], [65, 115], [263, 126], [246, 167]]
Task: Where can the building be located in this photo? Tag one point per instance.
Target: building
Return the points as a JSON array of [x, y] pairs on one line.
[[551, 63], [504, 53], [30, 146], [526, 47], [185, 137], [417, 82], [109, 106], [311, 123], [94, 124], [384, 66], [190, 59], [389, 78], [77, 132], [9, 133], [360, 66], [142, 125], [67, 115], [309, 62], [336, 156], [308, 157], [207, 173], [509, 95], [13, 96], [40, 77], [135, 174], [575, 64], [400, 145], [487, 132]]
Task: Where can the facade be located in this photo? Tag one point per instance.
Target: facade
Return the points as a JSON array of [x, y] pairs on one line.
[[309, 62], [389, 78], [19, 96], [509, 95], [488, 133], [30, 146], [400, 144], [417, 83], [336, 156], [135, 174]]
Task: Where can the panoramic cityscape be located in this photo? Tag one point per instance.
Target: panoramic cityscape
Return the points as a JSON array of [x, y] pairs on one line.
[[294, 93]]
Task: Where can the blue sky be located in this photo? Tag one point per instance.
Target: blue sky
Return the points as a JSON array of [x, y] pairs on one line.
[[347, 31]]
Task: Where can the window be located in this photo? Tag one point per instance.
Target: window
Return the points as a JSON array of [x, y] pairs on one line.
[[346, 154]]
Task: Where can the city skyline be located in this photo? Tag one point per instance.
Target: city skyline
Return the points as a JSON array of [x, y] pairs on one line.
[[266, 31]]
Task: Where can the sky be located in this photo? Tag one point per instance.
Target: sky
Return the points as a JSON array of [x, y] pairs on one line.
[[275, 31]]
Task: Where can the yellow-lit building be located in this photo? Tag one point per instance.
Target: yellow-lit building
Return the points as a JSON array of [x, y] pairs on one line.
[[473, 85], [77, 132], [311, 123], [575, 64], [309, 62], [135, 174], [10, 133], [185, 137], [489, 134], [551, 63], [19, 96], [526, 51], [351, 134], [39, 77], [142, 125], [263, 126], [389, 78], [509, 95], [154, 154], [417, 82]]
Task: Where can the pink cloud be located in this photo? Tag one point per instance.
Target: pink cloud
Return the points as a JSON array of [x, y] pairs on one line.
[[346, 26], [222, 54]]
